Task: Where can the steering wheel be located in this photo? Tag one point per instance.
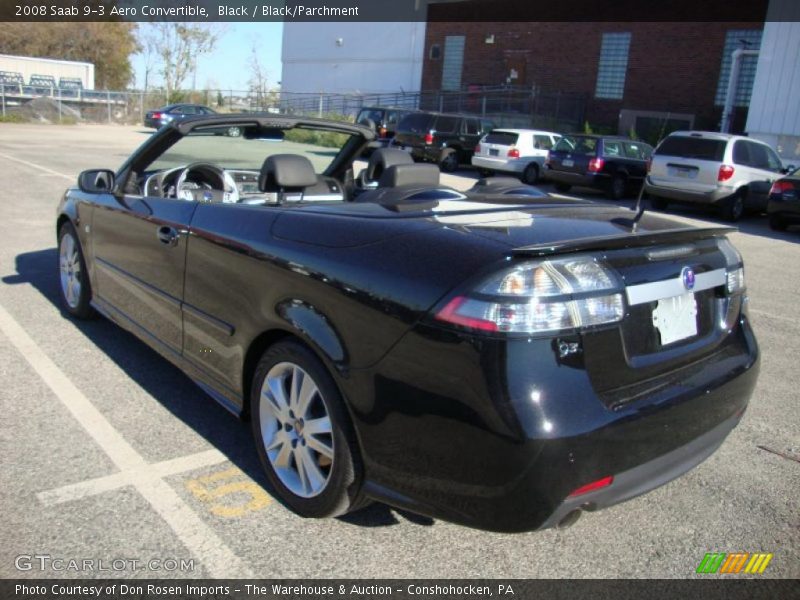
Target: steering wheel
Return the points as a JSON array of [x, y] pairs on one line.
[[205, 182]]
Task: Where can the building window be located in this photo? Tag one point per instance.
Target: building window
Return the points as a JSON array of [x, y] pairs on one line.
[[613, 65], [453, 62], [435, 52], [747, 39]]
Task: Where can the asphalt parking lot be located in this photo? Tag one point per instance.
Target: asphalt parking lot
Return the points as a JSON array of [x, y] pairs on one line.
[[111, 454]]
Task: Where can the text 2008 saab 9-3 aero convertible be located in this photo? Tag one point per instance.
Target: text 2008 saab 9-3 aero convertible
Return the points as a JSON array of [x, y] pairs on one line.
[[499, 358]]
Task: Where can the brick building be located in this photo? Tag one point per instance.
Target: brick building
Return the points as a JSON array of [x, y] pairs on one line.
[[641, 75]]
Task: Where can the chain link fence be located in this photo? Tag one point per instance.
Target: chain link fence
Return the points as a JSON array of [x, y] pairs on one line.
[[505, 106]]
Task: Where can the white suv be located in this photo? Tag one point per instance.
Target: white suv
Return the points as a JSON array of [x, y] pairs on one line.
[[731, 172], [518, 151]]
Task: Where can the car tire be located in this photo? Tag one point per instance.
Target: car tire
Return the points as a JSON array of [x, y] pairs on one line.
[[485, 172], [234, 131], [777, 223], [733, 207], [616, 190], [531, 174], [75, 288], [448, 160], [658, 203], [286, 447], [562, 187]]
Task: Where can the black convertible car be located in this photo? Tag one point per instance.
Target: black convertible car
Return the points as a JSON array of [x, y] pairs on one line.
[[497, 357]]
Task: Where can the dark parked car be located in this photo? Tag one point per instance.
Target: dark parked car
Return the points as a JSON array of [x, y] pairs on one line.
[[499, 357], [783, 207], [174, 112], [447, 140], [383, 121], [615, 165]]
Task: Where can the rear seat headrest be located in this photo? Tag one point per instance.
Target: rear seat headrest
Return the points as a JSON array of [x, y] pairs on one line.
[[286, 171], [417, 174], [383, 158]]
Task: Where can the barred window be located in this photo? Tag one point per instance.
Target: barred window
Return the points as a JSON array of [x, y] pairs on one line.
[[613, 65], [748, 39]]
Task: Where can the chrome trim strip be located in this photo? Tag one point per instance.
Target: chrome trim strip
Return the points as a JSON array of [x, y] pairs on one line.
[[667, 288]]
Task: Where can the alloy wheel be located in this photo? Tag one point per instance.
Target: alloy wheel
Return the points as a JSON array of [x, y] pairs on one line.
[[296, 429], [70, 269]]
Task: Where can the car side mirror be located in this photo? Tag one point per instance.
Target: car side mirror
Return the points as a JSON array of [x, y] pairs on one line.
[[96, 181]]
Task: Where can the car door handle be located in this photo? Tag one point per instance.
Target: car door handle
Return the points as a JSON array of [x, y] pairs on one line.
[[168, 235]]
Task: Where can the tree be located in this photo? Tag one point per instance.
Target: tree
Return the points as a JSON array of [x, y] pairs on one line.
[[259, 82], [178, 46], [108, 46]]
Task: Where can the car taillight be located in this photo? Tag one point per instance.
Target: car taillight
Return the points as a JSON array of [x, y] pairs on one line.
[[429, 137], [734, 283], [725, 173], [781, 186], [477, 149], [648, 164], [382, 132], [539, 297], [596, 165], [513, 153], [156, 115]]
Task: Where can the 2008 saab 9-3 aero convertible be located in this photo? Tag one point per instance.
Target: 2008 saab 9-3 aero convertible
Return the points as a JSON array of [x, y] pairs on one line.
[[498, 358]]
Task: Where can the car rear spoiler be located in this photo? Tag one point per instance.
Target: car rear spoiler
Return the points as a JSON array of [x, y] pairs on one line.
[[627, 240]]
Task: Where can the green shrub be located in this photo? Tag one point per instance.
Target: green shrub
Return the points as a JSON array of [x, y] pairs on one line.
[[13, 118]]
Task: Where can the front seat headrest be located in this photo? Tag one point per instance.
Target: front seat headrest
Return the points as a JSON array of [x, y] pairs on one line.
[[286, 172], [384, 158], [421, 175]]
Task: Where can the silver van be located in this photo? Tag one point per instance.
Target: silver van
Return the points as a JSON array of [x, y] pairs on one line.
[[732, 172]]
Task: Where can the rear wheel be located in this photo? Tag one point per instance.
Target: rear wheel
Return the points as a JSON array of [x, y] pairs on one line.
[[75, 288], [616, 190], [659, 203], [562, 187], [777, 223], [303, 433], [448, 161], [733, 208], [531, 174]]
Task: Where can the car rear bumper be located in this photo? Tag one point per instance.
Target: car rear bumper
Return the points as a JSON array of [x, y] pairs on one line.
[[499, 164], [711, 196], [593, 180], [498, 435], [787, 208]]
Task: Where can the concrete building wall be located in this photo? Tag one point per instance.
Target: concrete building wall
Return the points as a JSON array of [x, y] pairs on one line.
[[44, 66], [352, 57]]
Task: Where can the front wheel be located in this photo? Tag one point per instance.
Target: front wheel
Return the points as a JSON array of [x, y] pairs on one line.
[[303, 434], [75, 289]]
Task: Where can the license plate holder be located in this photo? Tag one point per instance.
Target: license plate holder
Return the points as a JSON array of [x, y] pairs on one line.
[[676, 318], [568, 162], [493, 152]]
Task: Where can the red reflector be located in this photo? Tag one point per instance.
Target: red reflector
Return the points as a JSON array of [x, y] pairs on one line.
[[595, 485], [725, 173], [513, 153], [596, 164], [450, 314], [429, 138], [781, 186]]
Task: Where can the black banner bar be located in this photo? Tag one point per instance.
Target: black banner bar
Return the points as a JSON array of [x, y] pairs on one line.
[[384, 10]]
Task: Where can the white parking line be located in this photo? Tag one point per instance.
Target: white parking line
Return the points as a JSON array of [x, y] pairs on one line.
[[35, 166], [192, 531]]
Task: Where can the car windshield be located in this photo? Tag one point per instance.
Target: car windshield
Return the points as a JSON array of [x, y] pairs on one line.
[[247, 146], [692, 147], [374, 115], [577, 145]]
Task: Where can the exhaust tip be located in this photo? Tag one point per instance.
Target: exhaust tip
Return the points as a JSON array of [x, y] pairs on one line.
[[570, 519]]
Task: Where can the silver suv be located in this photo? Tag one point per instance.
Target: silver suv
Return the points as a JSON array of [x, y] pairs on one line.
[[731, 172]]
